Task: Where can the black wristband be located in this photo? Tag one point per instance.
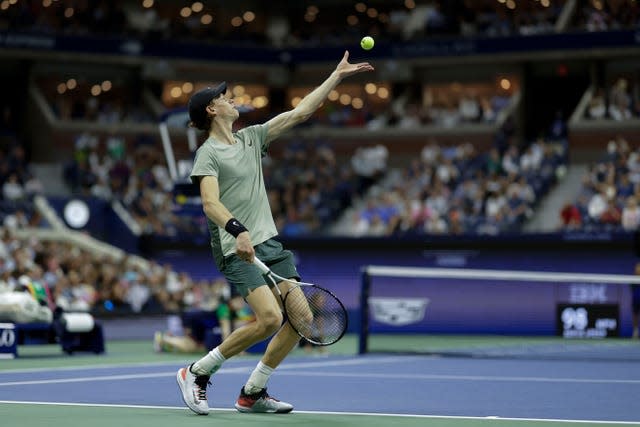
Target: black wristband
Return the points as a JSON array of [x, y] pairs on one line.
[[234, 227]]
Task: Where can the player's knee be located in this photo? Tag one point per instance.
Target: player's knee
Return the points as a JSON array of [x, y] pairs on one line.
[[270, 322]]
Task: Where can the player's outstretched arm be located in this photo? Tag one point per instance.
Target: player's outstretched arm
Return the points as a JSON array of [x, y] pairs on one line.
[[310, 103]]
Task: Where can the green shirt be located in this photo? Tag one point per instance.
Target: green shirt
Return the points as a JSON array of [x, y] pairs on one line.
[[238, 168]]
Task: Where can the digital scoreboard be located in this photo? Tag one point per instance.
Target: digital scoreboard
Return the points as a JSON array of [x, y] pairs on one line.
[[588, 320]]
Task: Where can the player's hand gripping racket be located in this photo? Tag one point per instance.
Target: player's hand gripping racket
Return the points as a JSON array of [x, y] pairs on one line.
[[315, 314]]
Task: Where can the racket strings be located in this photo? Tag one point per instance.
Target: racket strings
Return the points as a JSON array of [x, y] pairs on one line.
[[316, 314]]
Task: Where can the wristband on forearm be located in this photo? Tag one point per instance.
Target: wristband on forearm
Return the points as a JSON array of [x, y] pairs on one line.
[[234, 227]]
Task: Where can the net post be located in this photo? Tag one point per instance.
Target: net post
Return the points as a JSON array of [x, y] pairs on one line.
[[365, 282]]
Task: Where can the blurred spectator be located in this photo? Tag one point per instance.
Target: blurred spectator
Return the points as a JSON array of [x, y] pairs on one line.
[[457, 190], [571, 218], [620, 101], [469, 107], [397, 20], [78, 280], [611, 214], [12, 190], [603, 15], [631, 215], [610, 190], [597, 108], [597, 206]]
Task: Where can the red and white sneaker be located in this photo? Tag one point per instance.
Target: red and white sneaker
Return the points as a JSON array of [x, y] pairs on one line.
[[261, 402], [194, 390]]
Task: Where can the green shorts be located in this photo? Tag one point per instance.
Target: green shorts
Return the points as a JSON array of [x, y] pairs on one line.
[[246, 277]]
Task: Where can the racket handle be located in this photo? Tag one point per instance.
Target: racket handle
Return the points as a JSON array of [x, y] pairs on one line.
[[261, 265]]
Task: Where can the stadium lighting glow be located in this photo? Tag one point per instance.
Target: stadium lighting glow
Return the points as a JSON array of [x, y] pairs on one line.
[[383, 92], [361, 7], [147, 4], [96, 90], [295, 101], [352, 20], [409, 4], [176, 92], [372, 12], [106, 86], [187, 87], [357, 103], [260, 101], [46, 3], [185, 12], [72, 84], [62, 88], [238, 90], [197, 7], [345, 99], [333, 95], [206, 19], [68, 12], [370, 88], [236, 21], [249, 16]]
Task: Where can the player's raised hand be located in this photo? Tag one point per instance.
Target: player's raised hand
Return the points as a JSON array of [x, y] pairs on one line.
[[345, 68]]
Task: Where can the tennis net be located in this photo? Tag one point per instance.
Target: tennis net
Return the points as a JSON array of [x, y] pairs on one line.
[[497, 313]]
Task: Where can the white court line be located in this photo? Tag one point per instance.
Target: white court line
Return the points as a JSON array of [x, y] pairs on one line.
[[370, 414], [462, 377], [285, 365], [85, 367], [245, 370], [237, 370]]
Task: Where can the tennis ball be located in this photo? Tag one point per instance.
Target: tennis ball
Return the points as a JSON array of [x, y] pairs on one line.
[[367, 42]]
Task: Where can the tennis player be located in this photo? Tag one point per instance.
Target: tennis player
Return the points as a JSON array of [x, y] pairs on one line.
[[228, 170]]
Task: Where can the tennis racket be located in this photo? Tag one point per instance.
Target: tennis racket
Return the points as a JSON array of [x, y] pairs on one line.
[[313, 312]]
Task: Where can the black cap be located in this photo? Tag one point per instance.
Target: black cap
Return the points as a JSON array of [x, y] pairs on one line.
[[200, 100]]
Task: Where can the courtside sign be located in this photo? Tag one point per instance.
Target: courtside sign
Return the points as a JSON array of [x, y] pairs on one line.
[[8, 341]]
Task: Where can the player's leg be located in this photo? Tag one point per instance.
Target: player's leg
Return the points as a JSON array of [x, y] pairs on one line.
[[184, 344], [250, 284], [253, 396], [268, 320], [283, 342]]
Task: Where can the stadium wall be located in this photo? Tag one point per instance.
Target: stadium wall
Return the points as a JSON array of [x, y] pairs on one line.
[[508, 307]]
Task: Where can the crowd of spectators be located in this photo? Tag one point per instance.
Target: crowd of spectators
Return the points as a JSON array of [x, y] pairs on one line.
[[18, 184], [619, 102], [285, 24], [308, 186], [75, 96], [446, 108], [78, 280], [610, 193], [134, 173], [607, 15], [456, 190]]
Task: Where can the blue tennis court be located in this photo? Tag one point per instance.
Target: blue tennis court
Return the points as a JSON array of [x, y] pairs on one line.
[[402, 387]]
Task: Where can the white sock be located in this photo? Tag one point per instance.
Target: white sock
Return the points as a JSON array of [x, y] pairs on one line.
[[258, 379], [209, 364]]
